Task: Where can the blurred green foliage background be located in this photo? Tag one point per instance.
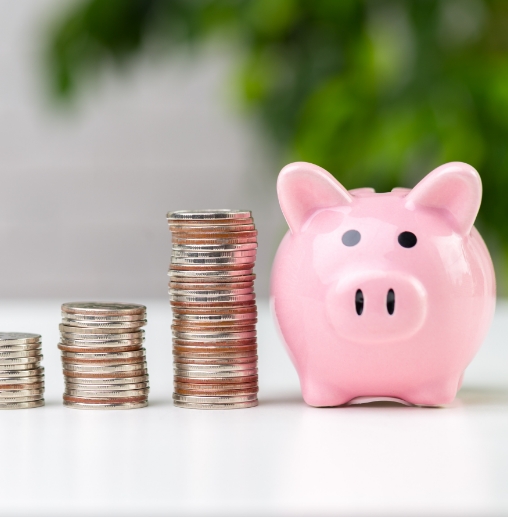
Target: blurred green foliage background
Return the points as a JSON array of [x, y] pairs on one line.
[[378, 92]]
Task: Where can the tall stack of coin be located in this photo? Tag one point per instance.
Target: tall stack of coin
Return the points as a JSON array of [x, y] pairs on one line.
[[214, 309], [103, 356], [21, 373]]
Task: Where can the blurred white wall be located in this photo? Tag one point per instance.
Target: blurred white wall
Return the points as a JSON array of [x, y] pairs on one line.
[[85, 192]]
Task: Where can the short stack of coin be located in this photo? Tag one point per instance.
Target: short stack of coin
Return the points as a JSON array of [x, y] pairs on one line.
[[214, 309], [103, 358], [21, 373]]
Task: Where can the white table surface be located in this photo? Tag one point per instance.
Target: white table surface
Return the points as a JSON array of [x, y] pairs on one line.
[[281, 458]]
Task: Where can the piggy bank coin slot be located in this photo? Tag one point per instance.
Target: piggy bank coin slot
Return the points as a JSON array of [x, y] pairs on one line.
[[351, 238], [407, 239], [359, 302], [390, 302]]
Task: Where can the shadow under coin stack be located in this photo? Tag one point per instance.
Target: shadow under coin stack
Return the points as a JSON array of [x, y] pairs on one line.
[[103, 356], [214, 309], [21, 373]]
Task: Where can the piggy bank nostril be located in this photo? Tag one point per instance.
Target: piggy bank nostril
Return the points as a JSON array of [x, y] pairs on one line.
[[390, 302], [359, 302]]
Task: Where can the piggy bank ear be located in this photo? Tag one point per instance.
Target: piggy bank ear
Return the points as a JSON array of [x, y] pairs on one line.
[[304, 188], [455, 188]]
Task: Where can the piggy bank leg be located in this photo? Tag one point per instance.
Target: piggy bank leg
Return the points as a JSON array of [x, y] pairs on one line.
[[320, 394], [436, 393]]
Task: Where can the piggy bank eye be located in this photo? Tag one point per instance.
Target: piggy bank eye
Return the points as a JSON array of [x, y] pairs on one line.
[[407, 239], [351, 238]]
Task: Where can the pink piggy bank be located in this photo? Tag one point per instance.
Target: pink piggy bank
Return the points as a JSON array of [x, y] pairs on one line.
[[383, 296]]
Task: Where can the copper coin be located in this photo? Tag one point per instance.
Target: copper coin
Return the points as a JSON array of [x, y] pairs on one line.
[[213, 351], [109, 400], [228, 392], [39, 385], [199, 329], [215, 387], [213, 309], [188, 286], [214, 317], [219, 343], [213, 356], [216, 381], [214, 360], [100, 349]]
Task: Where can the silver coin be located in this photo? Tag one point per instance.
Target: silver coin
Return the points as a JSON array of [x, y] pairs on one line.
[[210, 374], [22, 405], [103, 308], [18, 338], [92, 330], [217, 261], [217, 318], [104, 355], [214, 336], [224, 399], [213, 299], [221, 213], [216, 367], [194, 227], [93, 338], [124, 405], [107, 387], [20, 399], [5, 381], [236, 405], [19, 367], [211, 294], [179, 359], [34, 352], [92, 368], [107, 381], [13, 374], [23, 347], [106, 325], [10, 393], [5, 361], [191, 254], [211, 276], [93, 317], [93, 344], [97, 394]]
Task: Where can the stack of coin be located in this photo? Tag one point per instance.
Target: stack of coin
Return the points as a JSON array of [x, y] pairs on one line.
[[214, 309], [21, 373], [103, 356]]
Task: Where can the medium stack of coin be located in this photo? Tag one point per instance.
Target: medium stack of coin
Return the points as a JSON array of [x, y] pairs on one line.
[[212, 296], [103, 357], [21, 373]]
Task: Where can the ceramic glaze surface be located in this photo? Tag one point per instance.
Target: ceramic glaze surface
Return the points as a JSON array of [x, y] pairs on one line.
[[382, 295]]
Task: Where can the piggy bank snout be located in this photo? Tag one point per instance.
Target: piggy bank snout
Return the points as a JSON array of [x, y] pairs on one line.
[[377, 307]]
